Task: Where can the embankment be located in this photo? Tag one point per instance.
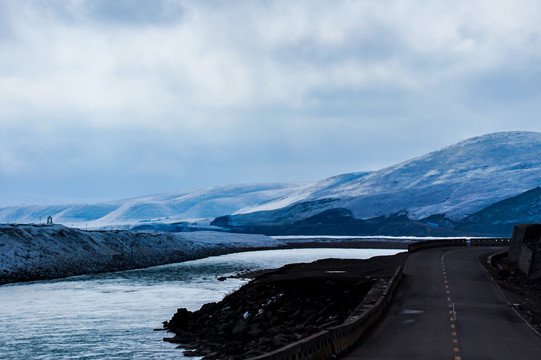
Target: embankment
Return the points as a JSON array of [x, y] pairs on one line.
[[36, 252]]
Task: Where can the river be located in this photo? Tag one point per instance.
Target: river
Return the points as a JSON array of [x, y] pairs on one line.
[[112, 316]]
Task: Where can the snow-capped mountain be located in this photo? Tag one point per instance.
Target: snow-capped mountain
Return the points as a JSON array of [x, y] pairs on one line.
[[449, 184], [206, 203], [455, 181]]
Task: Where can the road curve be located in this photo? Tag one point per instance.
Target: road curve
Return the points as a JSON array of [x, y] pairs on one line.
[[448, 307]]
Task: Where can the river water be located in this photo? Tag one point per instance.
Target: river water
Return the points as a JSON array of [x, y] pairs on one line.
[[112, 316]]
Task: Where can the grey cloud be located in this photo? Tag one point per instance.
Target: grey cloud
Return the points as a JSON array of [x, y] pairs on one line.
[[506, 86], [5, 22], [109, 12], [135, 12]]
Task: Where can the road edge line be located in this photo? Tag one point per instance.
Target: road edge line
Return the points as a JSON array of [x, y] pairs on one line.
[[505, 297]]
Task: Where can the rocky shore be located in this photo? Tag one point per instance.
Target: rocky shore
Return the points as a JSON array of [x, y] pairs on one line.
[[279, 307]]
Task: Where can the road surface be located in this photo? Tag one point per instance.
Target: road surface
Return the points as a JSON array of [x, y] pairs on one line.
[[448, 307]]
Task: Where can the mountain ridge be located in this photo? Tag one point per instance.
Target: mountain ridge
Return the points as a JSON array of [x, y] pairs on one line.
[[456, 181], [451, 184]]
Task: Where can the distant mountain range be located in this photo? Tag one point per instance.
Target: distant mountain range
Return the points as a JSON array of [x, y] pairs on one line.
[[482, 185], [166, 208]]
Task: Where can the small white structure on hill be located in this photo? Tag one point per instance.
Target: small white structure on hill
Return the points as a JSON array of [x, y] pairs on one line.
[[49, 220]]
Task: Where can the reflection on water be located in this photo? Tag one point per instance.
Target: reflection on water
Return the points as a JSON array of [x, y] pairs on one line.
[[112, 315]]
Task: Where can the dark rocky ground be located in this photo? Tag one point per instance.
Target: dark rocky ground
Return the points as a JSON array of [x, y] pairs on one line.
[[279, 307], [523, 292]]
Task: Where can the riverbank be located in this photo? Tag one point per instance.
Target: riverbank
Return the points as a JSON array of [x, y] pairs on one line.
[[280, 307], [39, 252]]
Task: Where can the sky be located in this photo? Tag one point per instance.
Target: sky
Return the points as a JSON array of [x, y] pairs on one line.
[[104, 100]]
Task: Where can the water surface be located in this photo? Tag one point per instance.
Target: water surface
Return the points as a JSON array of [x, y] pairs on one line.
[[113, 315]]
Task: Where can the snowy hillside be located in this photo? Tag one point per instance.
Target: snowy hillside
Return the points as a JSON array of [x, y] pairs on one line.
[[205, 203], [456, 181]]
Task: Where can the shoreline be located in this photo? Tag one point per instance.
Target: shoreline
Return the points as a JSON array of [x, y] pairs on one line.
[[24, 278], [279, 307], [33, 253]]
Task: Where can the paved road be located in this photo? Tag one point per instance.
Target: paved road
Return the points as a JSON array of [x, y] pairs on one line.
[[449, 308]]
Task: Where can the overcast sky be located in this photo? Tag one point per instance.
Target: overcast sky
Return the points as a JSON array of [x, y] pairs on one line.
[[104, 100]]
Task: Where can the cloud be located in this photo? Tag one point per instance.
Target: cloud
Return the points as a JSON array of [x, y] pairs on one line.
[[279, 54], [173, 86]]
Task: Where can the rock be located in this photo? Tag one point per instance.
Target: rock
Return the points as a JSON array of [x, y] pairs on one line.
[[264, 340], [225, 327], [279, 340], [254, 330], [239, 328], [180, 339], [180, 320]]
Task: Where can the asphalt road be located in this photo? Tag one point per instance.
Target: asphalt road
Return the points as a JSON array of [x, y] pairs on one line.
[[448, 307]]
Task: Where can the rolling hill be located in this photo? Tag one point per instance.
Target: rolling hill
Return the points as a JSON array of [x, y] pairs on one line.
[[441, 188], [435, 193]]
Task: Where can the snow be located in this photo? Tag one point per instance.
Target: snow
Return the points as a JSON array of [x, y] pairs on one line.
[[455, 181], [36, 251]]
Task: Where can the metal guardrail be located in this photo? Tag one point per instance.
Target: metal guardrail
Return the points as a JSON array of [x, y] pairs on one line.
[[333, 341], [429, 244]]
